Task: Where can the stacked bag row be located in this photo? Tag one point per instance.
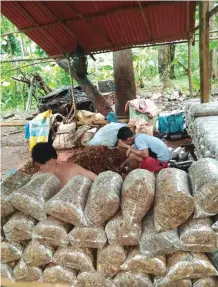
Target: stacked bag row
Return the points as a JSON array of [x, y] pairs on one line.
[[143, 231]]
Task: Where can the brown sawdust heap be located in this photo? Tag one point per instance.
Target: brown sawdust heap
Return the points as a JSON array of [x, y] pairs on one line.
[[99, 158]]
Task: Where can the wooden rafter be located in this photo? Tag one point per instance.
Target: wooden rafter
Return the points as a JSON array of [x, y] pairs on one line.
[[99, 31], [34, 21], [144, 20]]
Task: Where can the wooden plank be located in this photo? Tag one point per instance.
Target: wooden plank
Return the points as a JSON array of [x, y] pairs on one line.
[[190, 66], [12, 124], [204, 59]]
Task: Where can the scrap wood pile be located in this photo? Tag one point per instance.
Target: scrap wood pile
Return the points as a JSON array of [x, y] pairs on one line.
[[202, 120], [143, 231]]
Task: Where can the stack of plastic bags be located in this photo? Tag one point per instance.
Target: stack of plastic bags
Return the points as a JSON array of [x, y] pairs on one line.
[[143, 231]]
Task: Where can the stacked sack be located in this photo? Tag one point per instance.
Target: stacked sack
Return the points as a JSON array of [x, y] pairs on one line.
[[141, 232]]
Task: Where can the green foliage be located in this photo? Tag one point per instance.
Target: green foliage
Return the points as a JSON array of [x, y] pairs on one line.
[[213, 45]]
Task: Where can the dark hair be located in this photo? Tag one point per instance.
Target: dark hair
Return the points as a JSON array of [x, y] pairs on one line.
[[43, 152], [124, 133]]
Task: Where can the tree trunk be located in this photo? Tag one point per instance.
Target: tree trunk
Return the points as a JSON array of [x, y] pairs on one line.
[[164, 60], [102, 106], [172, 48], [213, 53], [124, 80]]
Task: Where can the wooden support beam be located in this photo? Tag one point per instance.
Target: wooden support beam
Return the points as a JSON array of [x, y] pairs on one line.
[[144, 20], [211, 13], [204, 58], [190, 66]]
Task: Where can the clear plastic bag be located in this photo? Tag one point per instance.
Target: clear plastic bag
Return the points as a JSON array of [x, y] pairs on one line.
[[215, 225], [173, 203], [10, 252], [205, 282], [6, 271], [197, 235], [153, 243], [214, 258], [163, 282], [140, 264], [109, 260], [76, 258], [129, 279], [88, 237], [30, 198], [104, 198], [120, 233], [22, 272], [186, 265], [19, 227], [204, 179], [92, 279], [137, 195], [59, 274], [69, 204], [52, 231], [37, 254], [11, 183]]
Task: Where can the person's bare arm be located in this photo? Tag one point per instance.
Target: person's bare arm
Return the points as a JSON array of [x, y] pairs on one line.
[[141, 153], [87, 173], [122, 145]]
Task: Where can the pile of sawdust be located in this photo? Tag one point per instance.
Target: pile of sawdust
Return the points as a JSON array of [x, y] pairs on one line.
[[99, 158]]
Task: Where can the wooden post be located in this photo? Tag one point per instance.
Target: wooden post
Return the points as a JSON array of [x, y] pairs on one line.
[[190, 65], [204, 50]]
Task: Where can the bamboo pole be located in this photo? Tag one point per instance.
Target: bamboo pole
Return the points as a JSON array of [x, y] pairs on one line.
[[204, 50], [190, 66]]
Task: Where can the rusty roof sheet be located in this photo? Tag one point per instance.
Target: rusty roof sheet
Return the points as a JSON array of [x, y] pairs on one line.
[[100, 26]]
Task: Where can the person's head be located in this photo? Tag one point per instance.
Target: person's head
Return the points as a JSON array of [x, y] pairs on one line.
[[43, 152], [126, 135]]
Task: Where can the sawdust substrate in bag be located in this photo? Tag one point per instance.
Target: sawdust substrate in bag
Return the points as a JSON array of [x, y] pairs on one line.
[[59, 274], [173, 202], [22, 272], [214, 258], [99, 158], [6, 271], [137, 195], [140, 264], [163, 282], [52, 231], [88, 237], [76, 258], [153, 243], [197, 235], [37, 254], [92, 279], [204, 180], [215, 225], [30, 199], [8, 186], [189, 265], [69, 203], [10, 251], [120, 233], [19, 227], [104, 198], [109, 260], [129, 279], [205, 282]]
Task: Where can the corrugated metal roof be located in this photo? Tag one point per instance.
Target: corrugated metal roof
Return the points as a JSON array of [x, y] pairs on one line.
[[57, 27]]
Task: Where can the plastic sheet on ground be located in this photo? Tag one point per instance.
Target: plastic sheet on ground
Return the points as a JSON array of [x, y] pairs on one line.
[[186, 265], [214, 258], [92, 279], [205, 282], [197, 235], [215, 225], [140, 264], [30, 198], [10, 251], [59, 274], [8, 185], [109, 260], [118, 232], [52, 231], [37, 254], [163, 282], [204, 179], [173, 203], [137, 195], [19, 227], [6, 271], [69, 204], [22, 272], [129, 279], [104, 198], [153, 243], [88, 237], [76, 258]]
